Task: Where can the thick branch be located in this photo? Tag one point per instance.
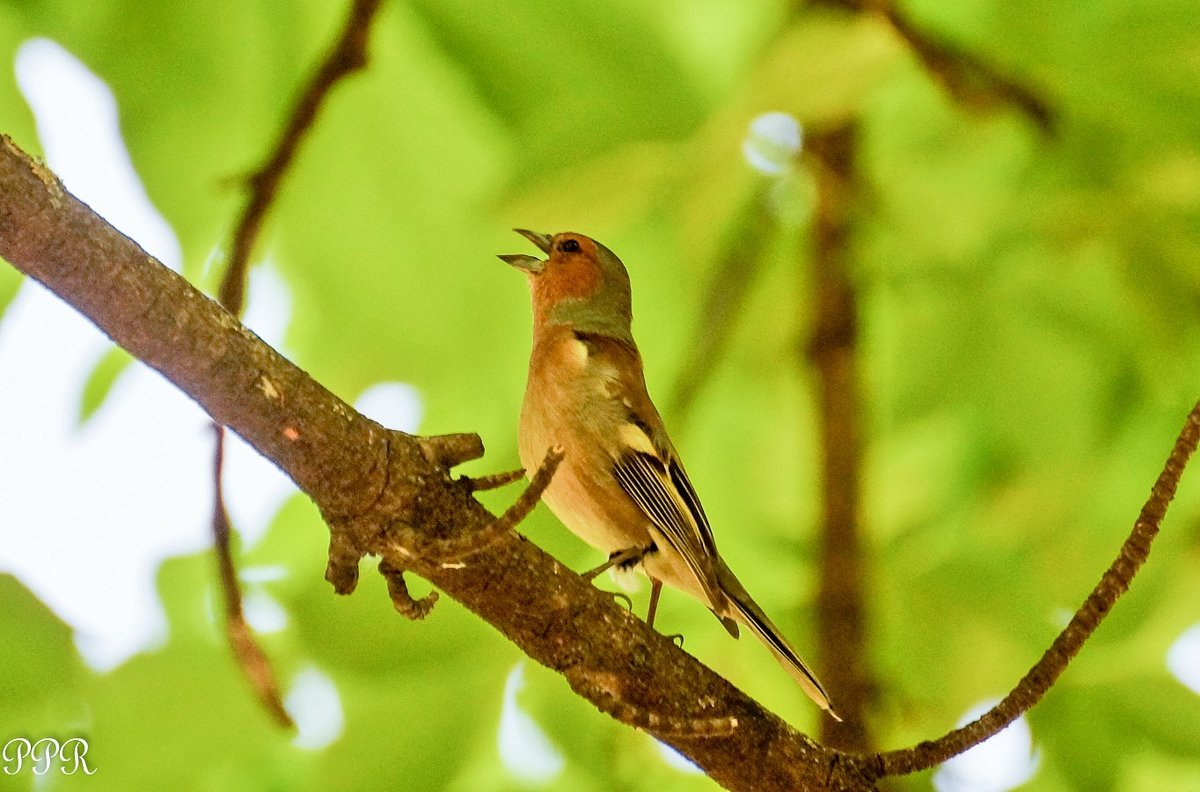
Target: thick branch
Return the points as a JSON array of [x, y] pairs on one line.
[[166, 323], [833, 349], [367, 479]]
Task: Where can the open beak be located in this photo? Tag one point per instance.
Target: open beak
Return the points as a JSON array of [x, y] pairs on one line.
[[541, 240], [529, 264]]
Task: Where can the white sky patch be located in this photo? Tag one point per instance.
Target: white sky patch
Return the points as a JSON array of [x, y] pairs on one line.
[[396, 405], [91, 511], [524, 748], [77, 125], [315, 706], [263, 612], [772, 142], [676, 759], [1183, 658], [1006, 761]]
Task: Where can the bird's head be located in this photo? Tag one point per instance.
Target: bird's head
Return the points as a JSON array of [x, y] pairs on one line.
[[580, 283]]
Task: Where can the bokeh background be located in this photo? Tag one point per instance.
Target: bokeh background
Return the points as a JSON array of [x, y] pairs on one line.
[[1030, 309]]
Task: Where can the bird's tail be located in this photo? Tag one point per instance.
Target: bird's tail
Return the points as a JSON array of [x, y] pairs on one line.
[[746, 610]]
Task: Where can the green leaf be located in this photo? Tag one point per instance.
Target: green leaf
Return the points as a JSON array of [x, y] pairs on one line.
[[100, 382]]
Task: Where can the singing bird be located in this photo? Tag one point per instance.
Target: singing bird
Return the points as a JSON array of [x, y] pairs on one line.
[[621, 486]]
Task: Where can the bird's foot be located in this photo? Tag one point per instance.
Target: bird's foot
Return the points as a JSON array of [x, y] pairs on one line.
[[621, 597], [629, 555]]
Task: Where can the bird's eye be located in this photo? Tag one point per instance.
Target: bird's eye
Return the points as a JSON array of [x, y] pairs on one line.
[[569, 246]]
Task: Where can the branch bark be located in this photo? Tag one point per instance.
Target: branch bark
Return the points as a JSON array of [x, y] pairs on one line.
[[348, 55], [378, 488], [390, 494], [833, 348], [968, 78]]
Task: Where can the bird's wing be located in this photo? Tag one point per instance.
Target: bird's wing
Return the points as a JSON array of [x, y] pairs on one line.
[[648, 469], [645, 479]]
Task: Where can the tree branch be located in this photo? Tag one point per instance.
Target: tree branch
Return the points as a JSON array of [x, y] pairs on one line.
[[1100, 602], [372, 483], [968, 78], [348, 55], [832, 348]]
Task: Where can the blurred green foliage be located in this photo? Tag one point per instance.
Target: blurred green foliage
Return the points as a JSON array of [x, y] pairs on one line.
[[1029, 349]]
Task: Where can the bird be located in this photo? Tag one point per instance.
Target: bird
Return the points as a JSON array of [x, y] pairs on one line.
[[620, 486]]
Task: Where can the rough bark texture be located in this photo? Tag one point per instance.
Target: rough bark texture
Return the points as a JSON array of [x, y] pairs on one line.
[[390, 494]]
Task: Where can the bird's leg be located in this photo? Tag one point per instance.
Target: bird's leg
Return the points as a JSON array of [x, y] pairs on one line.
[[619, 558], [655, 590]]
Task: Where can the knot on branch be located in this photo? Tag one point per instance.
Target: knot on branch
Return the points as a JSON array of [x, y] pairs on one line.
[[352, 538], [450, 450], [406, 606], [344, 554], [449, 552]]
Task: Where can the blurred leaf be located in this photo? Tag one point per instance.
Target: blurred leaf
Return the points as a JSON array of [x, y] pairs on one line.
[[100, 382], [43, 691], [1027, 350]]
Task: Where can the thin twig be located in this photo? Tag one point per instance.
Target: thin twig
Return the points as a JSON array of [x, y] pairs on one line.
[[833, 349], [451, 551], [967, 77], [348, 55], [250, 657], [1115, 582], [493, 480]]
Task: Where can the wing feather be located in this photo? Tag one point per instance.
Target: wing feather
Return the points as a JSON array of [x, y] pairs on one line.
[[683, 486], [645, 479]]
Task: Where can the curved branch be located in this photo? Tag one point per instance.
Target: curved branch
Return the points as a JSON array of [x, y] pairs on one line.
[[371, 483], [347, 56], [1046, 671]]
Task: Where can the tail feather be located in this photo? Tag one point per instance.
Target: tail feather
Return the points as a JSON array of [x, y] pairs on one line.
[[746, 610]]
